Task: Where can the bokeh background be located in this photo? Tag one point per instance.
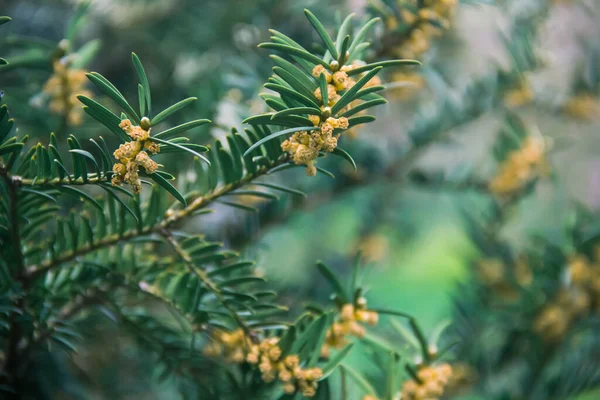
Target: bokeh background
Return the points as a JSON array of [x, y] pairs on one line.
[[538, 59]]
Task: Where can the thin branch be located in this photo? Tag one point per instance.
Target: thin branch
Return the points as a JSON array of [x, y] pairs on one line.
[[91, 179], [34, 271]]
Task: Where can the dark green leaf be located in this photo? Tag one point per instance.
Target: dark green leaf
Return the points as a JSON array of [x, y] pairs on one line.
[[364, 106], [172, 109], [335, 361], [111, 91], [342, 153], [359, 380], [11, 148], [362, 119], [254, 193], [334, 282], [104, 116], [241, 281], [383, 64], [168, 143], [295, 82], [167, 185], [38, 193], [281, 188], [141, 99], [282, 90], [240, 206], [141, 73], [343, 33], [294, 51], [324, 91], [361, 35], [80, 195], [89, 156], [167, 134], [322, 33], [306, 79], [231, 268]]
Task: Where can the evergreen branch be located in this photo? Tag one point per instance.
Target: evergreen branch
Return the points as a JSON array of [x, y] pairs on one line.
[[35, 271]]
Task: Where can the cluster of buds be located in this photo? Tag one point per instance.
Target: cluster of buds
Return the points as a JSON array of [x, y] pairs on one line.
[[236, 347], [268, 357], [305, 146], [231, 346], [583, 106], [349, 323], [430, 385], [430, 19], [462, 379], [493, 274], [520, 167], [519, 95], [579, 297], [63, 87], [133, 155]]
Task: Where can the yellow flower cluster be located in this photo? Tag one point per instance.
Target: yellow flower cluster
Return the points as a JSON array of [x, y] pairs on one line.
[[493, 273], [373, 247], [304, 146], [267, 355], [573, 301], [518, 96], [236, 347], [429, 22], [132, 155], [554, 320], [63, 87], [520, 167], [584, 107], [433, 380], [231, 346], [349, 323]]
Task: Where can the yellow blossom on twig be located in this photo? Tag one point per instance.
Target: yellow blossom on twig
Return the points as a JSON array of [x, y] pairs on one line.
[[132, 156], [63, 87], [432, 382]]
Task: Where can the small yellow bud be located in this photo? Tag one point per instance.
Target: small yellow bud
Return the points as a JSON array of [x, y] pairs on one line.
[[326, 129], [152, 147], [289, 388], [145, 123], [318, 70], [119, 169], [145, 161], [347, 312], [315, 119], [125, 125]]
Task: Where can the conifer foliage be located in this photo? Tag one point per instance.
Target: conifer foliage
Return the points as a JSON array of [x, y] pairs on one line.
[[122, 242]]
